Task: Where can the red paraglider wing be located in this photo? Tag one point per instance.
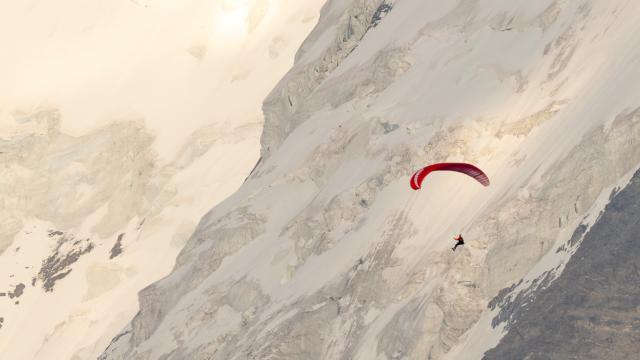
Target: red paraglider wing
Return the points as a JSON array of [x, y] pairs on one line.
[[468, 169]]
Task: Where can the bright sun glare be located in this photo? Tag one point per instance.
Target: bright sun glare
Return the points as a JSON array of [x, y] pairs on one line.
[[231, 20], [234, 4]]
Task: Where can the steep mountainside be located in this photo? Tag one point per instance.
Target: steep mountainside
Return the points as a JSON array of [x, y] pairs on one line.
[[326, 252], [121, 123]]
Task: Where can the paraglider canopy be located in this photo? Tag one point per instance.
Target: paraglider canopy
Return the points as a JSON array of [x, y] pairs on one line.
[[468, 169]]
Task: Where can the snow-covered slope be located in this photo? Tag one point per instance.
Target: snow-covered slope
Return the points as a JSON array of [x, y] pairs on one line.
[[121, 124], [325, 252]]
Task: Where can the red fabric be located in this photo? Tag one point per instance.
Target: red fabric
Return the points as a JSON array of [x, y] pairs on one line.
[[468, 169]]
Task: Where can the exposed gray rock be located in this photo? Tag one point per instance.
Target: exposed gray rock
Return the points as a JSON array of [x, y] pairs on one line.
[[58, 265], [527, 224], [117, 247], [380, 13], [17, 291], [592, 310]]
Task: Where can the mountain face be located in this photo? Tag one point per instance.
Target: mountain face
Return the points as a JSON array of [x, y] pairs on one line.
[[591, 310], [121, 124], [325, 252]]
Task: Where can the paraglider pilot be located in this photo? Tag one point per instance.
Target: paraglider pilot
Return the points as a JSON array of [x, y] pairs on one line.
[[460, 241]]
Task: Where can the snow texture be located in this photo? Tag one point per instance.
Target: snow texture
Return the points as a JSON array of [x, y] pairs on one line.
[[129, 117], [326, 253]]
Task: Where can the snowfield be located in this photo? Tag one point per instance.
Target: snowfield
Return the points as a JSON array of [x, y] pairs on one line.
[[325, 252], [121, 124]]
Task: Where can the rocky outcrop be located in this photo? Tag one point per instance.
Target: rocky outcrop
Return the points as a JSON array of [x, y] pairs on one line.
[[66, 252], [591, 310], [288, 104]]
